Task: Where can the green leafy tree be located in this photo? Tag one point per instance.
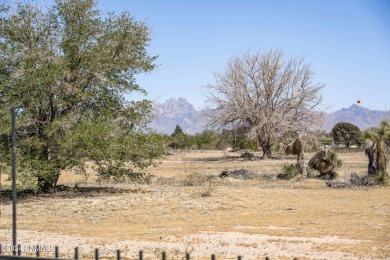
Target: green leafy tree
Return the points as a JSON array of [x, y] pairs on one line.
[[177, 137], [346, 133], [67, 68], [205, 140], [178, 131]]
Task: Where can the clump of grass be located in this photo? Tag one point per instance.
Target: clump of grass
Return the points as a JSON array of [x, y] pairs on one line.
[[289, 171], [331, 175], [193, 179], [207, 190], [248, 155], [382, 179]]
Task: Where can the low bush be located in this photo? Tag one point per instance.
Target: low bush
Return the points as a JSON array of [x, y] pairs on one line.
[[289, 171], [382, 179], [193, 179]]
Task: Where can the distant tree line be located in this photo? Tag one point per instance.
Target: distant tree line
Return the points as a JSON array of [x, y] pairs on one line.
[[210, 140], [342, 135]]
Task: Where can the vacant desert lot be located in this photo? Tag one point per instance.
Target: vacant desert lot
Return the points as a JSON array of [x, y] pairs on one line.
[[185, 212]]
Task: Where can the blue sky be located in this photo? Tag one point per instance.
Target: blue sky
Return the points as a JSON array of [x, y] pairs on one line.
[[346, 42]]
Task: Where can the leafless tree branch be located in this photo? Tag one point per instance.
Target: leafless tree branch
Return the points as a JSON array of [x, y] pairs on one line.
[[267, 94]]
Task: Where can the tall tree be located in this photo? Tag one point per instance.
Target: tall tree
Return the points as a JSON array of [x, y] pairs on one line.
[[268, 94], [178, 131], [346, 133], [67, 68], [179, 139]]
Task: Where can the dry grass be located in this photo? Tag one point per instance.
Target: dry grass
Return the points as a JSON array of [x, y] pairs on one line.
[[253, 218]]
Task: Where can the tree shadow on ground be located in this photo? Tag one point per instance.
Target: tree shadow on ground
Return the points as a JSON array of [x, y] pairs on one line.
[[62, 192]]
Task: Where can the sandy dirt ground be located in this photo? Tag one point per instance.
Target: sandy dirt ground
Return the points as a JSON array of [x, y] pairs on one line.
[[281, 219]]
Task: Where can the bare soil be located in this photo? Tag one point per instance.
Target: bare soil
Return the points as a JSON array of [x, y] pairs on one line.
[[183, 211]]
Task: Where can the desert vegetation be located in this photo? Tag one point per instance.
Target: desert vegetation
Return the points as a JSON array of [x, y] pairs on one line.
[[90, 173], [67, 80], [207, 202], [267, 95]]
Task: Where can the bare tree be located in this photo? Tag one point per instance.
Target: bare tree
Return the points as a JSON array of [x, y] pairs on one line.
[[267, 94]]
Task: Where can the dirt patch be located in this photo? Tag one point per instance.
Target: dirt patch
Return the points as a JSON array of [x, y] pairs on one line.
[[251, 217], [200, 245]]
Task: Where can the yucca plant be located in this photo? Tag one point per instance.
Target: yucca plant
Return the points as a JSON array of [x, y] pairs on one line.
[[382, 179], [375, 148], [289, 171], [326, 162]]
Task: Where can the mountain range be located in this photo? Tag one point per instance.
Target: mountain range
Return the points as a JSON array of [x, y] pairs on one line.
[[183, 113], [360, 116]]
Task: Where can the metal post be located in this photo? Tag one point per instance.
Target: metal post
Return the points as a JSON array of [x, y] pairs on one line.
[[187, 256], [164, 256], [212, 257], [76, 253], [19, 250], [118, 254], [97, 254], [239, 258], [141, 255], [37, 250], [13, 134], [56, 252], [370, 119]]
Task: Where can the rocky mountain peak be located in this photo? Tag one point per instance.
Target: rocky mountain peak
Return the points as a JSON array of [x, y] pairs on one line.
[[357, 115], [177, 111], [180, 111], [173, 106]]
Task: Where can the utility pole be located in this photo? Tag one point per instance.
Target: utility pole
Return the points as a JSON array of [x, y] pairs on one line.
[[13, 134], [370, 118]]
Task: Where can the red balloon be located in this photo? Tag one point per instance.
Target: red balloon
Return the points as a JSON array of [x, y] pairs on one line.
[[358, 101]]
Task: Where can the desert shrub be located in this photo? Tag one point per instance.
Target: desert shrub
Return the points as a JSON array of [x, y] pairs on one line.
[[247, 155], [325, 162], [289, 171], [238, 174], [207, 189], [330, 175], [381, 178], [193, 179]]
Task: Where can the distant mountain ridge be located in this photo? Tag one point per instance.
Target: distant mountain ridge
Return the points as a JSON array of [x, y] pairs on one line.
[[192, 121], [181, 112], [360, 116]]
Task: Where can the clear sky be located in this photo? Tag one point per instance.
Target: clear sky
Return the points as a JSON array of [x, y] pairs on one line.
[[346, 42]]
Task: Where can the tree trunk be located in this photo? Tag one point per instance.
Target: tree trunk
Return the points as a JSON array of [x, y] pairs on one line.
[[371, 154], [266, 145], [266, 151], [381, 160], [46, 183], [302, 167]]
